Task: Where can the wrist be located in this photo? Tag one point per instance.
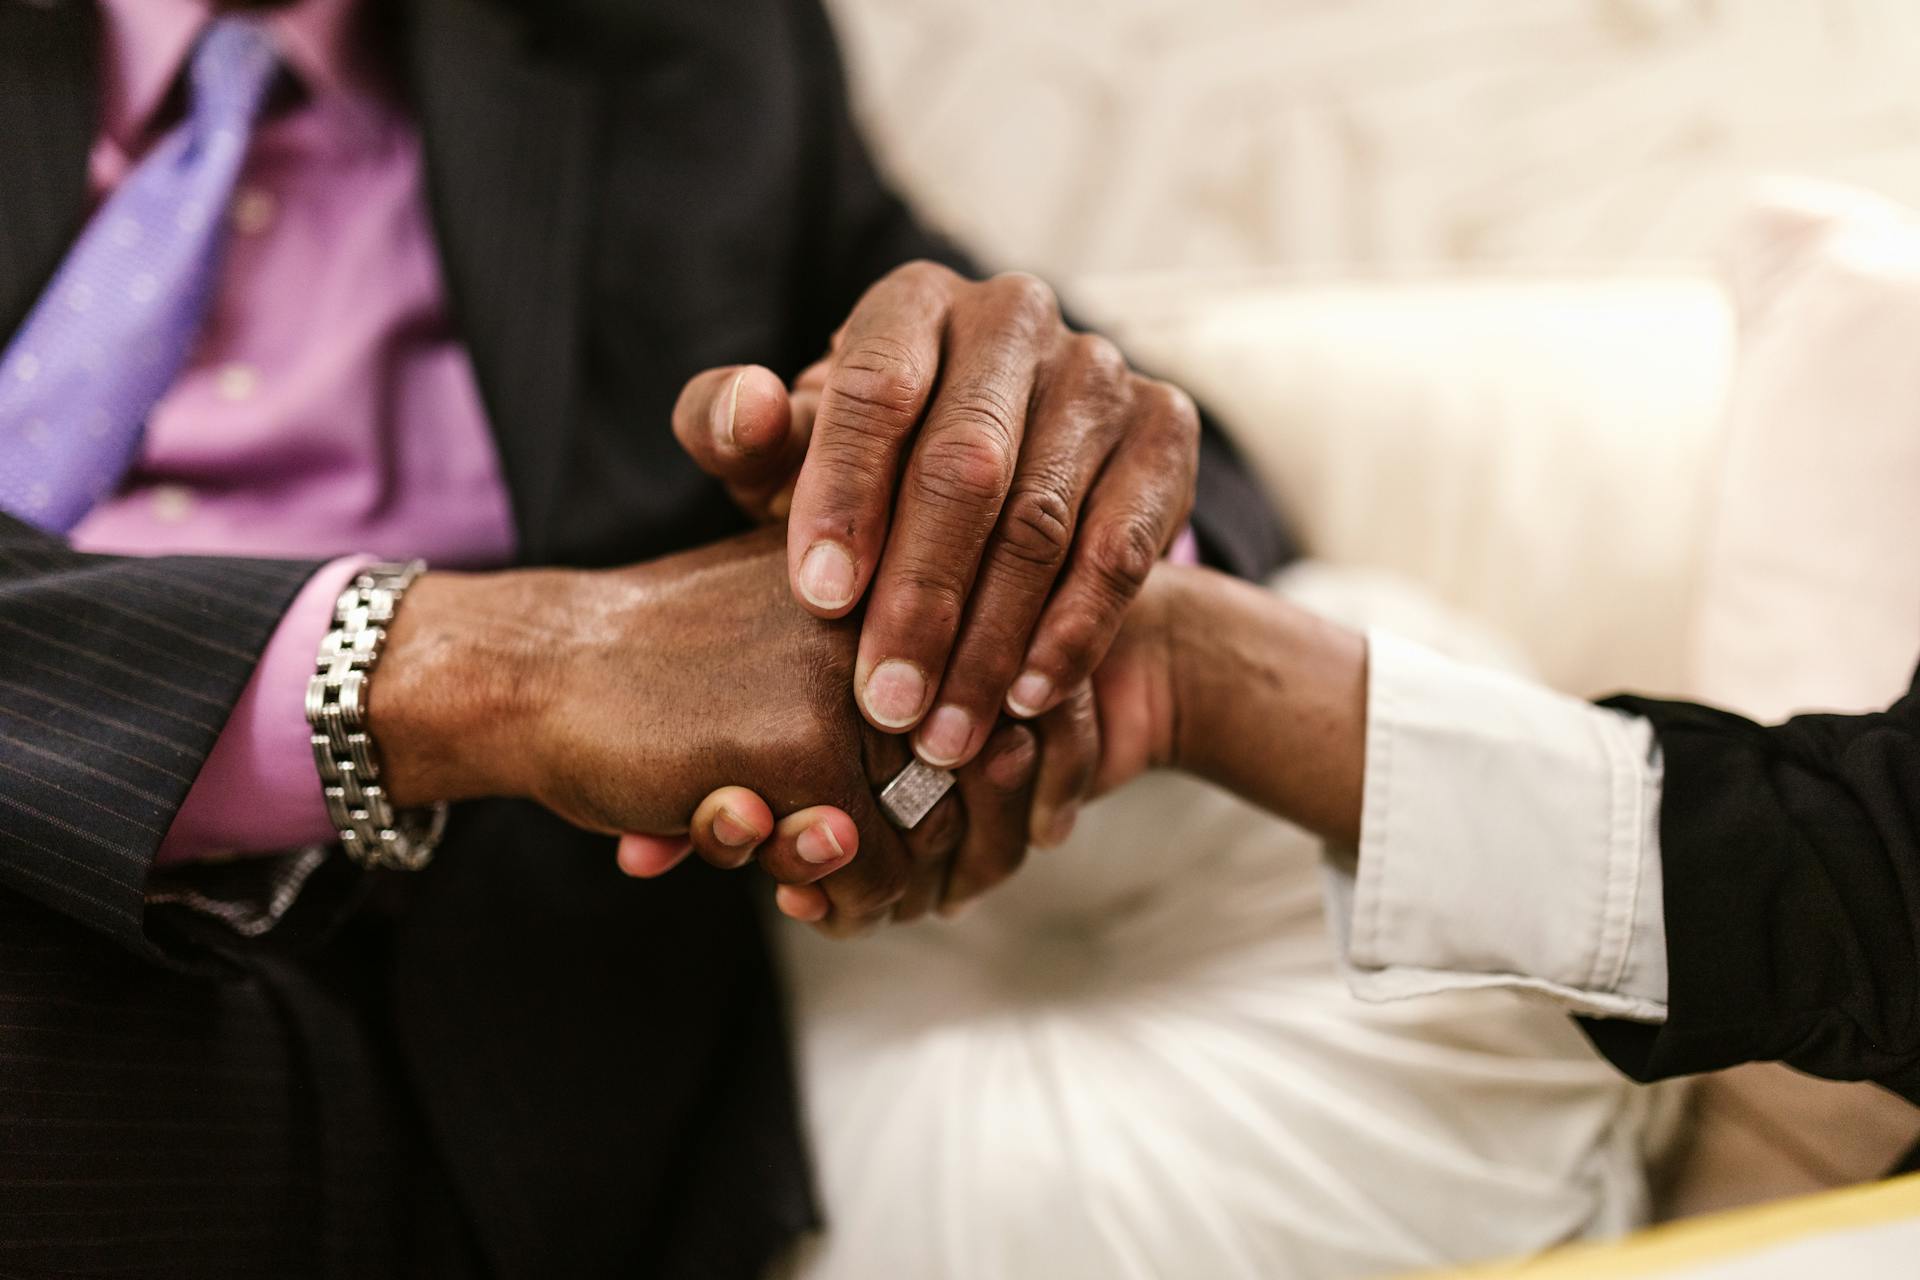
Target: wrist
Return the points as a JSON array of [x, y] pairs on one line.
[[1196, 612], [463, 675], [1270, 702]]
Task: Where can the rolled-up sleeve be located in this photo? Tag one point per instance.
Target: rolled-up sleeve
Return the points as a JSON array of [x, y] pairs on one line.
[[1509, 838]]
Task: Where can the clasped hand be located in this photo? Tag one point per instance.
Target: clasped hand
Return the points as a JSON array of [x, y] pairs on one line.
[[973, 496], [995, 488]]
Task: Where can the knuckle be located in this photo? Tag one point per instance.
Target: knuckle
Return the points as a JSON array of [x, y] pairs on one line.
[[970, 460], [851, 466], [1028, 295], [1037, 526], [926, 273], [1176, 409], [1122, 555], [1072, 642], [877, 386], [1098, 357], [1010, 770], [939, 833], [931, 600]]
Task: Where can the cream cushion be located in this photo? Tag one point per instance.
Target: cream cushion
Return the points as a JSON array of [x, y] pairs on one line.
[[1536, 452], [1811, 592]]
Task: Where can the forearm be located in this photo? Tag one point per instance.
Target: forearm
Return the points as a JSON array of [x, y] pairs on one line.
[[1485, 831], [1791, 879], [1269, 702]]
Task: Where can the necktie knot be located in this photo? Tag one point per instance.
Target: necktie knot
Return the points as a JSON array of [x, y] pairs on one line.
[[233, 66]]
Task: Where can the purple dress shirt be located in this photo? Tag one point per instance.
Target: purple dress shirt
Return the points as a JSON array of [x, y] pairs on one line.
[[328, 409]]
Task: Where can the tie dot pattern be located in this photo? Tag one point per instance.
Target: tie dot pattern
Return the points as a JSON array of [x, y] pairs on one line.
[[119, 320]]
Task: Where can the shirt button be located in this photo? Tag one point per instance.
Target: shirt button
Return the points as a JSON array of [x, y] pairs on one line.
[[253, 211], [236, 381], [172, 503]]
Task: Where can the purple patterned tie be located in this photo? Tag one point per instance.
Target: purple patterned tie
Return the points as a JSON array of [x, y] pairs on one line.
[[115, 326]]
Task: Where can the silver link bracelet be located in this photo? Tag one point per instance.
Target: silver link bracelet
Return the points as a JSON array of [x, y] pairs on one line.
[[371, 830]]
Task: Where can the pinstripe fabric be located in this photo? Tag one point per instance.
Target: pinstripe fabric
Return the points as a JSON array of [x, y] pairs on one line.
[[128, 1099], [116, 676], [128, 1091], [48, 105]]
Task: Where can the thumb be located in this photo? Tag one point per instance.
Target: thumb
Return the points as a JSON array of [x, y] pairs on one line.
[[734, 422]]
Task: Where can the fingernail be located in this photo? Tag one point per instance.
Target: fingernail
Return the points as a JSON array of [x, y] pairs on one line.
[[955, 910], [817, 844], [1062, 825], [1030, 694], [895, 692], [733, 407], [732, 830], [945, 736], [826, 576]]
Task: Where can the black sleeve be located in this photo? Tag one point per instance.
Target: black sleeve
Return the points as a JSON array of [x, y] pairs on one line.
[[116, 676], [1790, 858], [864, 230]]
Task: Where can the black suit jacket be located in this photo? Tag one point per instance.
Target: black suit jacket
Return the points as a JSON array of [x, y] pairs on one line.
[[519, 1049], [1791, 862]]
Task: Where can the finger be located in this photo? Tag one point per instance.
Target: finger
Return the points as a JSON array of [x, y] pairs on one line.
[[1069, 757], [809, 844], [773, 499], [1070, 433], [997, 792], [645, 857], [806, 903], [956, 482], [882, 373], [729, 825], [814, 376], [1139, 504], [862, 893], [733, 422], [931, 847]]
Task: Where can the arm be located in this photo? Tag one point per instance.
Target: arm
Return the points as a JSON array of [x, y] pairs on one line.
[[1484, 831], [257, 791], [1791, 859], [116, 677]]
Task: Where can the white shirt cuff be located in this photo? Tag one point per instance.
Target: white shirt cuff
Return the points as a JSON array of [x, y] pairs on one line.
[[1509, 838]]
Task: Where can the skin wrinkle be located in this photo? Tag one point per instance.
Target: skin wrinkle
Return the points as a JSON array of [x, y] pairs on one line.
[[585, 700]]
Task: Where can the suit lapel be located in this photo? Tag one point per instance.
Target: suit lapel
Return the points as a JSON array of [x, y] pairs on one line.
[[47, 106], [508, 140]]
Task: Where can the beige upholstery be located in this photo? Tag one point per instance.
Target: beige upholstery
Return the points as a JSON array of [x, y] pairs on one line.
[[1548, 456]]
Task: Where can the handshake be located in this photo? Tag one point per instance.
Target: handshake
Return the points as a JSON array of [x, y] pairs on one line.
[[964, 504]]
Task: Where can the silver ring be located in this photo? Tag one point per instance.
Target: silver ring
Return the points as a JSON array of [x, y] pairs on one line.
[[913, 793]]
